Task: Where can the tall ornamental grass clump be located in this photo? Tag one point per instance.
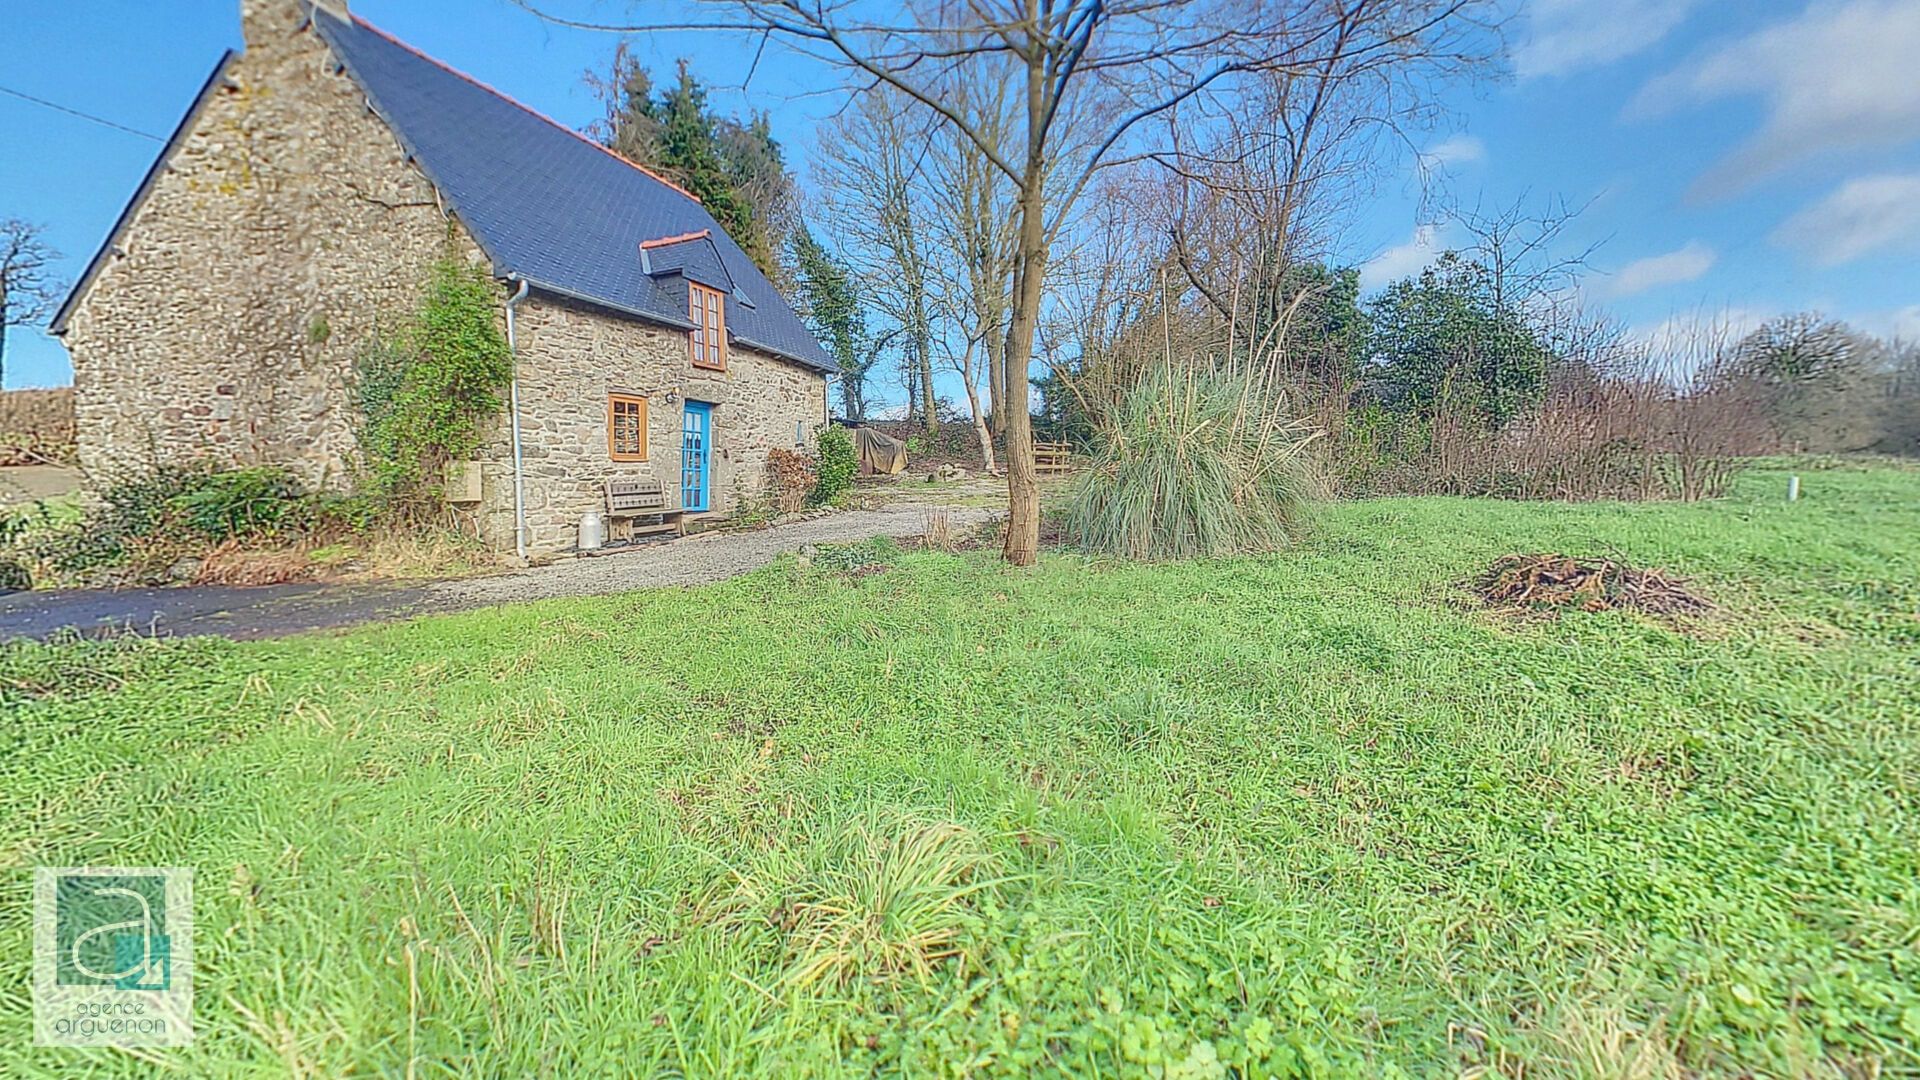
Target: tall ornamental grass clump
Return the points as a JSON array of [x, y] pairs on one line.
[[1190, 464]]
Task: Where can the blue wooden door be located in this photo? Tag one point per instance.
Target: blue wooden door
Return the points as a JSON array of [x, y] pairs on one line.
[[696, 456]]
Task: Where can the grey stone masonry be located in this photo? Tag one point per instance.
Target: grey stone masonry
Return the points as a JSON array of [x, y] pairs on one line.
[[285, 230], [572, 357], [288, 231]]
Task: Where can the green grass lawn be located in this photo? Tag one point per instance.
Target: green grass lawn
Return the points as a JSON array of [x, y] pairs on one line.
[[1307, 814]]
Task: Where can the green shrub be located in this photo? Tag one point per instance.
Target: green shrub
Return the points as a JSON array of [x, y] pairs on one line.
[[71, 547], [191, 502], [876, 552], [197, 497], [236, 502], [836, 465], [135, 504], [331, 512], [424, 393], [1192, 464]]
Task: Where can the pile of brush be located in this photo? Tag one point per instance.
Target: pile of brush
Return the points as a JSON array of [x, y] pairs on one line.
[[1557, 581]]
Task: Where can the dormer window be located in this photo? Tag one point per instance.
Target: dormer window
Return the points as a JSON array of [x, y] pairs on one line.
[[707, 342]]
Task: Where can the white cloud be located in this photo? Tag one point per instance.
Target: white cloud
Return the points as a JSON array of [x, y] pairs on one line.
[[1904, 324], [1687, 263], [1564, 36], [1838, 76], [1456, 150], [1899, 324], [1679, 344], [1404, 260], [1857, 218]]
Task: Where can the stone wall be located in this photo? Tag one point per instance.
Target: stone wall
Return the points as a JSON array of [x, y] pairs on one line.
[[286, 233], [279, 236], [571, 357]]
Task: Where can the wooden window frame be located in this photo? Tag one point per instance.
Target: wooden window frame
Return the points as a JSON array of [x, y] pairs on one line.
[[707, 341], [616, 399]]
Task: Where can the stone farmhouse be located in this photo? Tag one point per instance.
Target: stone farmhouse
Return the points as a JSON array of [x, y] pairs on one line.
[[297, 211]]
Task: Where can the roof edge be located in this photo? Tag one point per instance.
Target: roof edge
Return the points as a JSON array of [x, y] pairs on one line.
[[140, 194], [593, 301], [828, 368], [683, 238], [450, 206]]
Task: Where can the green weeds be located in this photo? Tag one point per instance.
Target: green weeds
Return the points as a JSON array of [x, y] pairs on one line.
[[1308, 814]]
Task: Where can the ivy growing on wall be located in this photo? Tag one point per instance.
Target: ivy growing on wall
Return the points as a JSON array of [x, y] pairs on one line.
[[425, 391]]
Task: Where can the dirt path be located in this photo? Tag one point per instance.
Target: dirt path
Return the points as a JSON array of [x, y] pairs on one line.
[[279, 610]]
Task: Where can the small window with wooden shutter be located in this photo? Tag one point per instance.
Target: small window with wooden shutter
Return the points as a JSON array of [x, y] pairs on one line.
[[626, 427], [707, 343]]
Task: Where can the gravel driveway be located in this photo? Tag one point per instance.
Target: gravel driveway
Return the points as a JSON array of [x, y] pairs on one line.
[[694, 559], [279, 610]]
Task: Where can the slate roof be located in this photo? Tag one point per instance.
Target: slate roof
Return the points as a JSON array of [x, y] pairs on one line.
[[696, 258], [545, 203], [549, 205]]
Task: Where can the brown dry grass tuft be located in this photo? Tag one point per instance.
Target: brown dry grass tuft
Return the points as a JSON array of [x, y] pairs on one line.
[[234, 562], [939, 531], [1592, 1041]]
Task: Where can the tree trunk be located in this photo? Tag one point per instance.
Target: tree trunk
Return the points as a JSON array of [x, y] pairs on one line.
[[928, 407], [979, 422], [1023, 491], [996, 380]]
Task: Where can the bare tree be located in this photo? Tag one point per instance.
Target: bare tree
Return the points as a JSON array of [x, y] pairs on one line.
[[28, 292], [1269, 174], [1526, 267], [873, 169], [974, 222], [1107, 67], [1807, 367], [963, 360], [1900, 387]]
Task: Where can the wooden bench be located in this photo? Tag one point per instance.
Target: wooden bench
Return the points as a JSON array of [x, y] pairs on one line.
[[1052, 458], [628, 500]]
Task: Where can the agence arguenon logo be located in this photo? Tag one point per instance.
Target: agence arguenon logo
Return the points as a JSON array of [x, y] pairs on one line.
[[113, 956]]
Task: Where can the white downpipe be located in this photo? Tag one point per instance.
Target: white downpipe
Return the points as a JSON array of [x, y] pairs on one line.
[[513, 396]]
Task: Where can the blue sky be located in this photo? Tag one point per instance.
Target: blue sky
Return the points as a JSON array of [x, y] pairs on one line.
[[1743, 157]]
